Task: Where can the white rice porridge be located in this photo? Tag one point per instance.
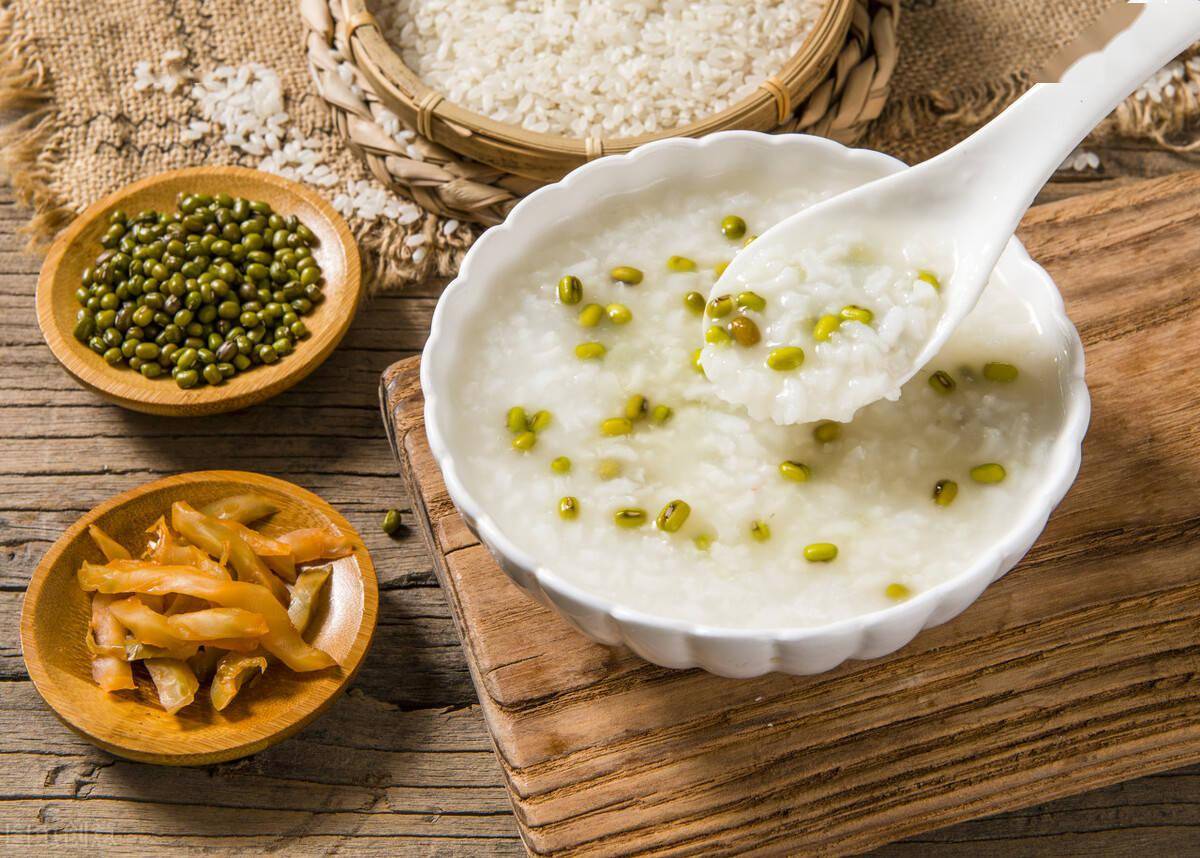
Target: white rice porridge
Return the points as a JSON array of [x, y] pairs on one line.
[[767, 502], [852, 317]]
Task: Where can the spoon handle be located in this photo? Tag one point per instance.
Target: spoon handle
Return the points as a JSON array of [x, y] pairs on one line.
[[1036, 134]]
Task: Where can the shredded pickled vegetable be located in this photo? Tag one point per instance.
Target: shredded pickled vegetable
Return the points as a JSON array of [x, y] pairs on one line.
[[147, 625], [175, 682], [213, 624], [305, 591], [315, 543], [134, 650], [218, 539], [232, 672], [241, 508], [282, 639], [263, 546], [110, 672], [277, 555], [178, 603], [112, 549], [180, 613], [235, 668], [165, 548]]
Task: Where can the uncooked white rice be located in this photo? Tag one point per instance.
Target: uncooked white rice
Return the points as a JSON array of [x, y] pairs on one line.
[[170, 77], [615, 68], [245, 106]]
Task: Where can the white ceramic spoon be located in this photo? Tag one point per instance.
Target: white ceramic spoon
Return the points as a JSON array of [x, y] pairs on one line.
[[967, 201]]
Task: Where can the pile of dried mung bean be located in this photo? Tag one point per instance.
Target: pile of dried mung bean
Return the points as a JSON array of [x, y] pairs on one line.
[[210, 290]]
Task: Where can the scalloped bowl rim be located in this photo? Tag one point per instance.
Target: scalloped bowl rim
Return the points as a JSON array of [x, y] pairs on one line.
[[1062, 466]]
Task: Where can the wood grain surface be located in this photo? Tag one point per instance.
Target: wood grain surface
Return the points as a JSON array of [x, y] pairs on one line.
[[56, 614], [402, 764], [78, 245], [1076, 670]]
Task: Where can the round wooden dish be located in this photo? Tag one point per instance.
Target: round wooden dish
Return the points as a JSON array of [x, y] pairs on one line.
[[548, 157], [77, 247], [55, 615]]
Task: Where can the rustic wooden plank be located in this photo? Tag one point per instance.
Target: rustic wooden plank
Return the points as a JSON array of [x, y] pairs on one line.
[[417, 769], [1077, 670], [358, 722], [419, 773], [91, 484], [168, 821], [82, 839], [1150, 813]]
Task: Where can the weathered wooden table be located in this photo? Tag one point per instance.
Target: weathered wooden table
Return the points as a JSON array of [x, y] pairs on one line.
[[402, 764]]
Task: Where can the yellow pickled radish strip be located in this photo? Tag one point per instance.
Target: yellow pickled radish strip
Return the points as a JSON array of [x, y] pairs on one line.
[[217, 538], [148, 626], [216, 574], [108, 546], [231, 673], [174, 681], [167, 550], [316, 543], [243, 508], [217, 623], [274, 553], [134, 650], [282, 639], [305, 591], [177, 603], [264, 546], [110, 672], [234, 669]]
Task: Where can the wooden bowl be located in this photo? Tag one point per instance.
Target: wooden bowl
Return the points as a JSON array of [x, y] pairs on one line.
[[77, 247], [55, 615]]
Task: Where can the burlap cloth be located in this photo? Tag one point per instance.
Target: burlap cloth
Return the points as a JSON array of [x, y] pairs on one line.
[[67, 65]]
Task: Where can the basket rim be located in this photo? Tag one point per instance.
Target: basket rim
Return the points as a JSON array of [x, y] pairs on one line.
[[381, 63]]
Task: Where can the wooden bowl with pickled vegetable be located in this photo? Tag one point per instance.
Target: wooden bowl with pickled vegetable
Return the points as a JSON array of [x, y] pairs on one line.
[[199, 618], [217, 272]]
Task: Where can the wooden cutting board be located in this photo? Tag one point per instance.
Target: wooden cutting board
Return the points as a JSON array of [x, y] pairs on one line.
[[1080, 668]]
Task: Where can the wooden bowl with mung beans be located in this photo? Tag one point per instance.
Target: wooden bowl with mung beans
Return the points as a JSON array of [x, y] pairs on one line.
[[199, 291]]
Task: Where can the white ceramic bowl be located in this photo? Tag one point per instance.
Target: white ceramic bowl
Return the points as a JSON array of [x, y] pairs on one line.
[[670, 642]]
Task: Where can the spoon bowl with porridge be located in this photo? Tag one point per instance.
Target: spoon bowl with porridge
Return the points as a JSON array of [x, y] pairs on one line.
[[862, 291]]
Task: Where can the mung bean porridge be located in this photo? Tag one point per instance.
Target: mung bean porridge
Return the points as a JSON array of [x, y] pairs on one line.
[[597, 444], [824, 328]]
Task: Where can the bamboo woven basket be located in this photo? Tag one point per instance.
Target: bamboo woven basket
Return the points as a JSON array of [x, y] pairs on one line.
[[473, 168]]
